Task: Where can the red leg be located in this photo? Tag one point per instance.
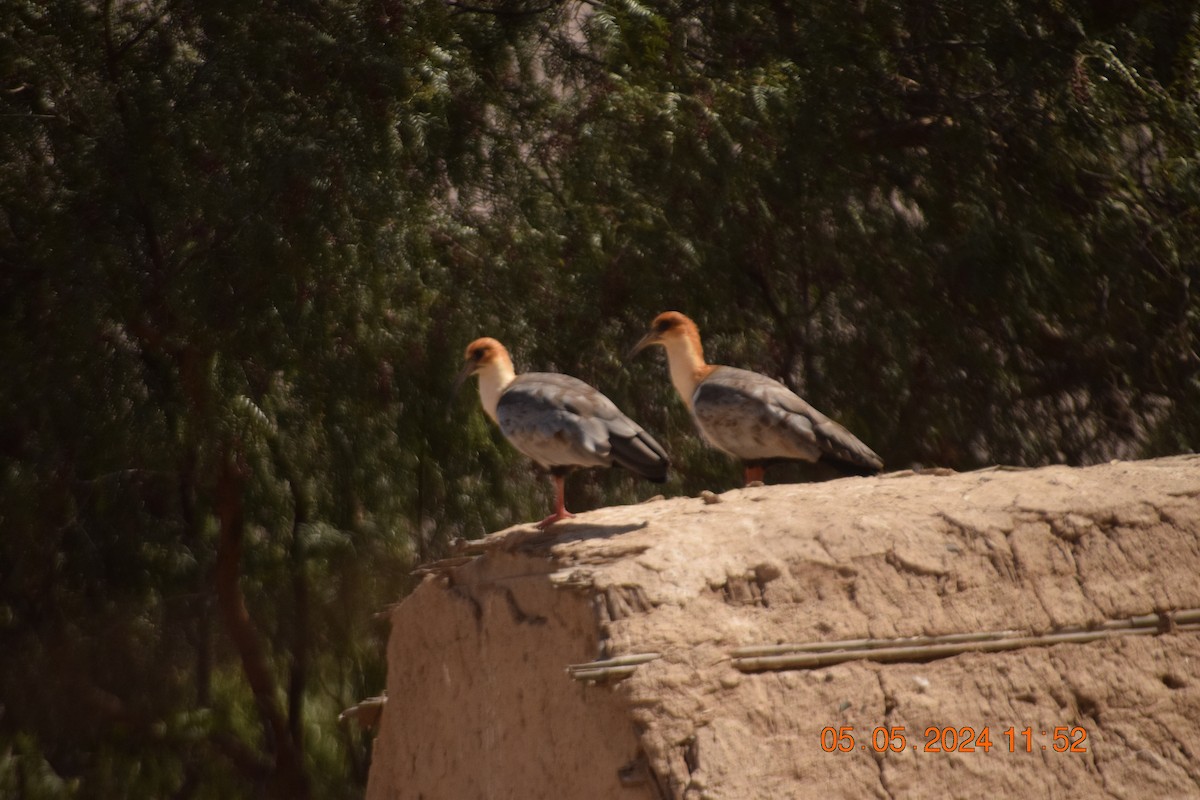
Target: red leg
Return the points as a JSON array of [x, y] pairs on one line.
[[755, 473], [560, 504]]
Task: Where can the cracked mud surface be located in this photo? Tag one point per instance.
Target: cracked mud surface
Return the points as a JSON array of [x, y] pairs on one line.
[[481, 705]]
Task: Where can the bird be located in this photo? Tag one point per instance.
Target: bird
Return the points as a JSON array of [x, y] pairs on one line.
[[747, 415], [559, 421]]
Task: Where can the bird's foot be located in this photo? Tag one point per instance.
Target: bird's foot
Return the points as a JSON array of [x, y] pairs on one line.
[[553, 518]]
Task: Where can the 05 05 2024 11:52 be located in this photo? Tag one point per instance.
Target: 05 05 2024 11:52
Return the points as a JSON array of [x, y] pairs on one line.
[[966, 739]]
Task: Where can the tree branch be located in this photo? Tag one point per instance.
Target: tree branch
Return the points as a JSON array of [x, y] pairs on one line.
[[298, 676], [288, 779], [498, 12]]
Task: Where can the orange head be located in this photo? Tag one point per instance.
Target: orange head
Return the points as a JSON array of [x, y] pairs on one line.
[[488, 359], [670, 327], [680, 337], [484, 351]]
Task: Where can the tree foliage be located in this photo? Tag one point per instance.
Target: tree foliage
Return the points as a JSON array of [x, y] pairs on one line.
[[241, 250]]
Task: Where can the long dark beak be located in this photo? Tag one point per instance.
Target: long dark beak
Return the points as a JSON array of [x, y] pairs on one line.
[[467, 371], [647, 340]]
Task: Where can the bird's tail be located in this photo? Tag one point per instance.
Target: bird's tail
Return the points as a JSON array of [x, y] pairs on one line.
[[844, 450], [848, 467], [641, 455]]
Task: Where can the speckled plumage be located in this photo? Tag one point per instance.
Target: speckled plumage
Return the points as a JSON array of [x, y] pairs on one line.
[[560, 421], [748, 415], [755, 418]]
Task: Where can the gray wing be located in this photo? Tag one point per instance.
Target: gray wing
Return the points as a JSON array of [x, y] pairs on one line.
[[560, 421], [756, 418]]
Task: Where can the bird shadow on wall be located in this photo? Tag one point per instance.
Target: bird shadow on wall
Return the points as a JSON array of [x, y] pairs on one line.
[[568, 531]]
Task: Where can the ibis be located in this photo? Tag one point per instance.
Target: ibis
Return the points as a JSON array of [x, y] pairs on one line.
[[559, 421], [750, 416]]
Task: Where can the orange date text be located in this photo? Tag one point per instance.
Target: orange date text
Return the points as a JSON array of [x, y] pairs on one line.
[[951, 739]]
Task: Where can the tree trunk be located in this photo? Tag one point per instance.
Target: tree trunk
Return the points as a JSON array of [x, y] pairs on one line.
[[288, 779]]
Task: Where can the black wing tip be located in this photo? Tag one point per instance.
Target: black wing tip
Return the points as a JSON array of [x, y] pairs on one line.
[[655, 472], [862, 469], [641, 455], [657, 477]]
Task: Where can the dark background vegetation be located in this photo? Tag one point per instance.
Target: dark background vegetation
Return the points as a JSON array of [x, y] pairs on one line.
[[242, 247]]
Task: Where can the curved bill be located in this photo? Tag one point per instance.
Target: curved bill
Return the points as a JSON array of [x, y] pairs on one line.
[[467, 371], [647, 340]]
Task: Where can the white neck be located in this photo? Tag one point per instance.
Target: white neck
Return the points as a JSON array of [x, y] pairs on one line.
[[494, 378], [687, 365]]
